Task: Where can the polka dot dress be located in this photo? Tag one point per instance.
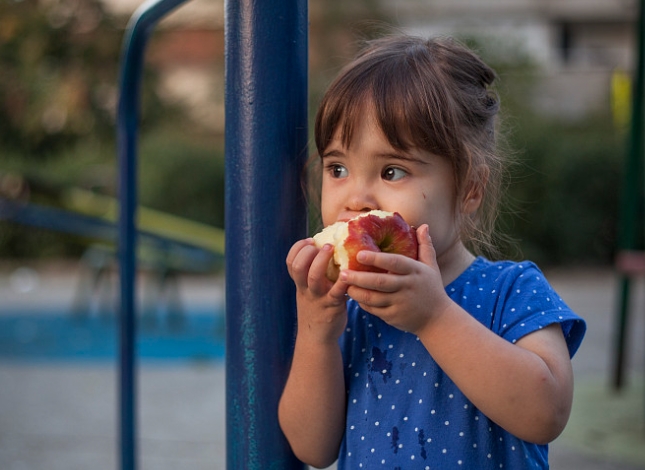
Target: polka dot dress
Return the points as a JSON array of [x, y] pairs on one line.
[[403, 412]]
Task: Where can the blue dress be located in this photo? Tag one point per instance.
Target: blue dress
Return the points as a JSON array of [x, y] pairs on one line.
[[404, 412]]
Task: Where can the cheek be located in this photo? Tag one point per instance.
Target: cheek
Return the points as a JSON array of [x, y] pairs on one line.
[[327, 219], [437, 213], [327, 208]]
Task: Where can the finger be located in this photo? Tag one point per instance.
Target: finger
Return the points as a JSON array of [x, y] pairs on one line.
[[301, 265], [317, 275], [381, 282], [295, 249], [427, 255], [368, 299], [390, 262], [338, 291]]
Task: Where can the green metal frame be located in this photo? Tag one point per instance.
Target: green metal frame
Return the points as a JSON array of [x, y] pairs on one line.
[[631, 244]]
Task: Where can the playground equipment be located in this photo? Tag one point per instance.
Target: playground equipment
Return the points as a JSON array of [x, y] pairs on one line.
[[186, 244], [141, 25], [266, 139], [265, 147], [168, 246], [630, 260]]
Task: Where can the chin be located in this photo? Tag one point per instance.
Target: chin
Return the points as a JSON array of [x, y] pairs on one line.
[[377, 230]]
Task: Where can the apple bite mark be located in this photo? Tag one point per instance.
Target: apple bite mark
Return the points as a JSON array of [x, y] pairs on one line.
[[372, 231]]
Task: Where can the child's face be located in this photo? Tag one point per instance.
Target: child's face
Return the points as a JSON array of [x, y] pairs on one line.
[[371, 174]]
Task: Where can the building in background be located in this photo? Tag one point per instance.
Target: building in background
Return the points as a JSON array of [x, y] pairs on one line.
[[576, 45]]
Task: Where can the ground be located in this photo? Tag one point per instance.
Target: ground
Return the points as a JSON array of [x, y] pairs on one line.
[[63, 414]]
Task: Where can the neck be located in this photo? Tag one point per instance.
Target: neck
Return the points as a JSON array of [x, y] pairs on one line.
[[454, 261]]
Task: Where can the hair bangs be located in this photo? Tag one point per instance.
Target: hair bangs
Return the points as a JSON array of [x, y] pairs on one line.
[[341, 110], [412, 113], [389, 86]]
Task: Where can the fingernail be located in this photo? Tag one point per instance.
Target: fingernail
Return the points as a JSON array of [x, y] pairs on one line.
[[343, 276]]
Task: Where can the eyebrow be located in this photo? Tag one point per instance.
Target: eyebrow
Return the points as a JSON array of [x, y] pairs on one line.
[[389, 156], [403, 157], [332, 153]]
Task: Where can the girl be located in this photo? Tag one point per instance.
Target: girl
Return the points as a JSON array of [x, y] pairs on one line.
[[450, 361]]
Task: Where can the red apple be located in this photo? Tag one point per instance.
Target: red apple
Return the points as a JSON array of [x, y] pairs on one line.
[[373, 231]]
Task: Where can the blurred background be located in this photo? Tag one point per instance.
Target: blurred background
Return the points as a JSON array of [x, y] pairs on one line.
[[565, 69], [564, 81]]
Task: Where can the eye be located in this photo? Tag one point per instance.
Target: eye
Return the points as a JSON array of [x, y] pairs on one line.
[[393, 173], [337, 171]]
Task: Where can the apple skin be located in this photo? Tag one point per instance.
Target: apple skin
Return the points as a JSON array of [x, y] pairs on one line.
[[377, 231], [371, 232]]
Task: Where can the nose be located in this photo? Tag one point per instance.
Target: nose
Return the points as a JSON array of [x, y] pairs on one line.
[[362, 198]]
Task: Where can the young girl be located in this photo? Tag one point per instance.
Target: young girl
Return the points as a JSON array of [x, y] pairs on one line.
[[450, 361]]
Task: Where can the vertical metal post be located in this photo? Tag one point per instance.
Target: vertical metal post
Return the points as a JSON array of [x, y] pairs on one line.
[[631, 222], [132, 58], [266, 138]]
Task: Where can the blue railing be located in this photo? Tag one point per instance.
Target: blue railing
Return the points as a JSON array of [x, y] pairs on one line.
[[141, 25], [266, 140]]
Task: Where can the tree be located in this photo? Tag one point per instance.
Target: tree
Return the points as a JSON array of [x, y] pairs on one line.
[[59, 63]]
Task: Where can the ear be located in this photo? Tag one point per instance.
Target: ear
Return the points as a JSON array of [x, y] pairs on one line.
[[474, 192]]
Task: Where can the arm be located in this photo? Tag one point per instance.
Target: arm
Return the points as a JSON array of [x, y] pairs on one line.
[[312, 407], [525, 387]]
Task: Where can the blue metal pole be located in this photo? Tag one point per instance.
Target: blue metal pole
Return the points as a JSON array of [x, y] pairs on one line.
[[141, 25], [266, 139]]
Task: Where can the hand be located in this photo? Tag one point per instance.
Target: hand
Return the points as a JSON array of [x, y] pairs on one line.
[[321, 303], [410, 295]]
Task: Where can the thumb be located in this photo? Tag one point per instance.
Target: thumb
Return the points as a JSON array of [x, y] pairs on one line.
[[426, 254]]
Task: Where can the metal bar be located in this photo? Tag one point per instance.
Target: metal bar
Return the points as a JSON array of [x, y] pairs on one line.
[[181, 255], [621, 329], [630, 233], [139, 28], [639, 124], [58, 220], [265, 139]]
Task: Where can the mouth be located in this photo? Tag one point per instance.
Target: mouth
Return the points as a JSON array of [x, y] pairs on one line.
[[346, 217]]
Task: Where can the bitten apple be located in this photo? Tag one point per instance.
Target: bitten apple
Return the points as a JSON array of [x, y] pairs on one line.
[[373, 231]]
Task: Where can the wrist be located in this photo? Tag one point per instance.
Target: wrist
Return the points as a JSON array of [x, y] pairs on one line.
[[324, 331], [443, 309], [316, 344]]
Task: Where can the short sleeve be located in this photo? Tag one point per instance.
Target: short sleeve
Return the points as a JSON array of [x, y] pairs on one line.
[[529, 303]]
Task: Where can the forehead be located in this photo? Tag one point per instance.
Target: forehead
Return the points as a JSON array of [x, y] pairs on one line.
[[368, 141], [364, 117], [356, 124]]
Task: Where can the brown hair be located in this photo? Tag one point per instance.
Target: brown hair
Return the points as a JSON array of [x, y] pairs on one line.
[[431, 94]]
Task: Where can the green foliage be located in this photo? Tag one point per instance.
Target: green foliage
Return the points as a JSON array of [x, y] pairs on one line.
[[183, 176], [564, 193], [87, 165], [58, 76], [564, 175], [59, 64], [179, 173]]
